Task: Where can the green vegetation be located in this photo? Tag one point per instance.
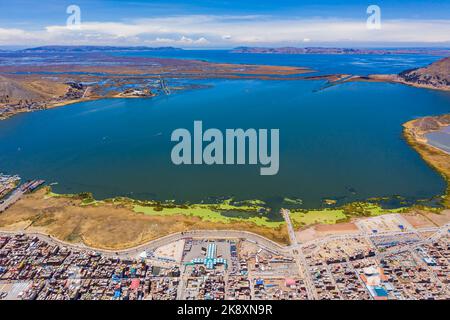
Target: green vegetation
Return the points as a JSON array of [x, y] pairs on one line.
[[301, 217], [294, 202], [78, 196], [253, 211], [251, 203], [208, 213], [87, 199], [227, 211], [246, 205], [327, 216]]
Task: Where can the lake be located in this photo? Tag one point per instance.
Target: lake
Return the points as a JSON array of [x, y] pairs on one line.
[[344, 142]]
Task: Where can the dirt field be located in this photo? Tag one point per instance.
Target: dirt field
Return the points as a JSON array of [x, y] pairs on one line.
[[419, 220], [323, 230], [30, 87], [438, 219], [108, 226]]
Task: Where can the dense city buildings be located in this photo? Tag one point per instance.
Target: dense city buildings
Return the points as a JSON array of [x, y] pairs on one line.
[[400, 262]]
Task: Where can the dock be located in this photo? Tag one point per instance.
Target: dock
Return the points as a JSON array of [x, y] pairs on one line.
[[15, 196], [163, 86]]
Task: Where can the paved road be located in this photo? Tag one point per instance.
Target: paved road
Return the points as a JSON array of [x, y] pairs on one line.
[[152, 245], [286, 215], [300, 258], [292, 250]]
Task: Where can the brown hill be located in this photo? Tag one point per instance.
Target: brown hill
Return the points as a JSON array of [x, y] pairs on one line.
[[13, 90], [429, 124], [436, 75]]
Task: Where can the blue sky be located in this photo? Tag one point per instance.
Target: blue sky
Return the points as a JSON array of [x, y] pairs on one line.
[[225, 23]]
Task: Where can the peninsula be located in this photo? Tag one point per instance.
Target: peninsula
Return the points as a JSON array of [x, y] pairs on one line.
[[434, 76], [47, 82]]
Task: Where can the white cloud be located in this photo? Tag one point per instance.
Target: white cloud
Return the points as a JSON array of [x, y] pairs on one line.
[[201, 40], [198, 30], [9, 33], [165, 40], [181, 41]]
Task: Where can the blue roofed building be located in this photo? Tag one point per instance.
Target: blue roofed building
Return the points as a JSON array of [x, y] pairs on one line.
[[210, 261]]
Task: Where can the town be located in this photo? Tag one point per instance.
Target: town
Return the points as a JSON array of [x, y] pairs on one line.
[[387, 259]]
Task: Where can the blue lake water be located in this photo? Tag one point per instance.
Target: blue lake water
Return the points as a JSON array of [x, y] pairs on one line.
[[319, 63], [343, 142]]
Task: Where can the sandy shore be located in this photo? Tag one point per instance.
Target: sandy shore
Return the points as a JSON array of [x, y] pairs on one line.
[[414, 132]]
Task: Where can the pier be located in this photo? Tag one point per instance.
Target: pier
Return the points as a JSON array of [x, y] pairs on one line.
[[15, 196], [163, 86]]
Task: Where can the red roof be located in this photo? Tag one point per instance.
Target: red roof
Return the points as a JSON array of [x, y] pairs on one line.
[[290, 282], [134, 284]]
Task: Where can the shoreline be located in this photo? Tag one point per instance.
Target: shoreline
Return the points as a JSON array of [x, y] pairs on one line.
[[79, 220], [436, 158], [393, 78], [333, 79], [122, 223], [36, 91], [162, 218], [194, 70]]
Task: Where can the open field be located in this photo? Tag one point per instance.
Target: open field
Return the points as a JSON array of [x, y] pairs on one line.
[[324, 230], [438, 219], [418, 220], [111, 225]]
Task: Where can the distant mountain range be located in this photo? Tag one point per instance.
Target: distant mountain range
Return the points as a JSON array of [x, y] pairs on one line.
[[97, 49], [322, 50]]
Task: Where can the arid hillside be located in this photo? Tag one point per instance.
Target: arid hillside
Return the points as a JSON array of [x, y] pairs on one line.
[[436, 75], [33, 89]]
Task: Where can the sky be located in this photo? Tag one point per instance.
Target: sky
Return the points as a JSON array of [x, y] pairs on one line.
[[225, 23]]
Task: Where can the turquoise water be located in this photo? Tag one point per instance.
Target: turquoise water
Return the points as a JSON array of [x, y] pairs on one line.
[[344, 142]]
